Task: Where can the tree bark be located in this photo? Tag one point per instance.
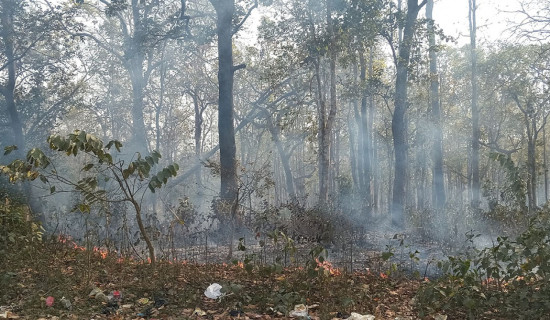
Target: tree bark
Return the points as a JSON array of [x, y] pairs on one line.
[[438, 185], [136, 57], [226, 131], [8, 88], [399, 120], [327, 120], [198, 133], [474, 162], [365, 137]]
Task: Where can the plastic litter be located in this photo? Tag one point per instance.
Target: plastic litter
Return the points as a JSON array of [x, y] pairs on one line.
[[101, 297], [8, 315], [49, 301], [146, 313], [66, 303], [159, 302], [357, 316], [236, 313], [199, 312], [94, 292], [300, 310], [115, 296], [213, 291]]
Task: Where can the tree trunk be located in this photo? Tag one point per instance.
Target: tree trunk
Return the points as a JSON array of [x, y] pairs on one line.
[[226, 131], [366, 137], [359, 172], [438, 185], [372, 151], [399, 120], [329, 123], [475, 182], [7, 89], [352, 149], [197, 134], [531, 126], [136, 57], [545, 164], [285, 159]]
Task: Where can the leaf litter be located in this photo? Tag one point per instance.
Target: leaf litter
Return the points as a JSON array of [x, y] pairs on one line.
[[94, 285]]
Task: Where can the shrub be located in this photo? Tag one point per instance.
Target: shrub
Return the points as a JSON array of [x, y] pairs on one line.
[[510, 279]]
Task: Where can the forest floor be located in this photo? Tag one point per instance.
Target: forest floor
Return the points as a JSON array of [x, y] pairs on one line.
[[40, 281]]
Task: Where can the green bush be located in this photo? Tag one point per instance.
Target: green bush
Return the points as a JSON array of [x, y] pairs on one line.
[[510, 279], [16, 229]]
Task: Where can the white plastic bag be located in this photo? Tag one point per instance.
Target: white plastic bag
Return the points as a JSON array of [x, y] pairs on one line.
[[358, 316], [299, 311], [213, 291]]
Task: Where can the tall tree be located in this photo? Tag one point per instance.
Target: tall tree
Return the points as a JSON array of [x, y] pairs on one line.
[[438, 186], [326, 121], [7, 88], [399, 119], [476, 132], [225, 29], [35, 78], [135, 31], [226, 131]]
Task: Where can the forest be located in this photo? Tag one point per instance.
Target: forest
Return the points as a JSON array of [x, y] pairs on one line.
[[315, 159]]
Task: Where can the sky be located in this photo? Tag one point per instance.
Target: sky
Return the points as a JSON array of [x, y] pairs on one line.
[[492, 18]]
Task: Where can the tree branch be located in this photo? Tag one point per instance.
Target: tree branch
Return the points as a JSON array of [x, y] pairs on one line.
[[238, 67], [238, 26]]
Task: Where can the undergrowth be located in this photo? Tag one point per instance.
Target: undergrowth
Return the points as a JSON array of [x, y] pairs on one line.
[[508, 280], [60, 268]]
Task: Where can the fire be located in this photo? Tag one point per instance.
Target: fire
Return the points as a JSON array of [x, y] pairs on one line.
[[383, 275], [328, 268], [102, 252], [240, 264]]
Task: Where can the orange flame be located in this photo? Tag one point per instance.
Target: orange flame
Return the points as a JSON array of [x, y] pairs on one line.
[[327, 266], [102, 252]]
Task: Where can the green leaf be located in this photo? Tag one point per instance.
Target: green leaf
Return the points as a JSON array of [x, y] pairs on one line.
[[84, 208], [43, 179], [88, 167], [82, 136], [52, 189], [9, 149], [172, 169]]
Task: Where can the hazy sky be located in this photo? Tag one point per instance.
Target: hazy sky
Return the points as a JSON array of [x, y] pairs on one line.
[[492, 18], [451, 15]]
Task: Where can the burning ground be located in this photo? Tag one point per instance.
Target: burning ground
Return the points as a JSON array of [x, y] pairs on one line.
[[175, 290]]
